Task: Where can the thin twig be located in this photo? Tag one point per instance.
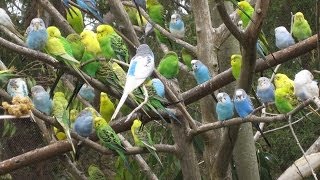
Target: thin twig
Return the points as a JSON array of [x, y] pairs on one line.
[[298, 143]]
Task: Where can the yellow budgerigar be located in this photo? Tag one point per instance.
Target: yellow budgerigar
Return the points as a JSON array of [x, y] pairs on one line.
[[106, 107]]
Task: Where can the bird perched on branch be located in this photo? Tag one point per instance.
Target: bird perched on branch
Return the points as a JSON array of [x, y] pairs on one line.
[[17, 87], [265, 90], [169, 65], [140, 68], [75, 19], [176, 26], [87, 93], [41, 100], [106, 107], [285, 99], [244, 108], [224, 107], [236, 62], [90, 6], [83, 124], [37, 35], [283, 38], [7, 23], [301, 29]]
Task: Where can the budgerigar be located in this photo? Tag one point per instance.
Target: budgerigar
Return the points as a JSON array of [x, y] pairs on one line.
[[285, 99], [236, 62], [143, 5], [201, 73], [108, 137], [87, 93], [248, 9], [305, 87], [244, 107], [265, 90], [7, 23], [176, 26], [17, 87], [169, 65], [75, 19], [283, 81], [142, 138], [158, 87], [224, 107], [41, 100], [106, 107], [62, 114], [91, 6], [300, 29], [37, 35], [283, 38], [111, 43], [141, 66], [95, 173], [76, 45], [187, 57], [83, 124]]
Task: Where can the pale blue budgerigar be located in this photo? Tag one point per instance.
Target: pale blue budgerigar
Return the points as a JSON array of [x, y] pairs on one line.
[[265, 90], [201, 73], [244, 107], [305, 87], [176, 26], [41, 100], [91, 6], [158, 87], [83, 124], [283, 38], [141, 66], [61, 114], [37, 35], [7, 23], [17, 87], [224, 107], [87, 93]]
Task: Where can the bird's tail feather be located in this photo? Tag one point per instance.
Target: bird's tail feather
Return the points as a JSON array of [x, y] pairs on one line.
[[256, 125], [151, 149], [121, 102]]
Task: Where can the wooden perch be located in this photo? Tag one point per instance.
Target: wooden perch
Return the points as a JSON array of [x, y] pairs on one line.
[[300, 169]]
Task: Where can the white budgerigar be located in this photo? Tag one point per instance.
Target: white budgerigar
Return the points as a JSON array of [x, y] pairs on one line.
[[305, 87], [283, 38], [17, 87], [6, 22], [141, 66]]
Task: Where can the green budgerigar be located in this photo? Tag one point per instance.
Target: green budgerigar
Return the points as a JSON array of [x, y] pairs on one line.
[[95, 173], [62, 115], [300, 29], [236, 61], [108, 137], [187, 57], [169, 65], [106, 107], [111, 43], [76, 45], [142, 138], [75, 19], [283, 100]]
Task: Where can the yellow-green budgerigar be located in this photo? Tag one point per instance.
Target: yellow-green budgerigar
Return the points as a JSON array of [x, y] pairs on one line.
[[142, 138], [283, 81], [169, 65], [95, 173], [236, 61], [106, 107], [62, 115], [245, 11], [301, 29], [76, 45], [187, 57], [111, 43], [108, 137], [75, 19], [285, 100]]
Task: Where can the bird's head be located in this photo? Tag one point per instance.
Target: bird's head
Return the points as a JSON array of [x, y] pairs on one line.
[[144, 49], [175, 17], [37, 23], [263, 82], [37, 89], [243, 5], [196, 64], [136, 124], [99, 121], [73, 37], [73, 115], [53, 32], [280, 29], [303, 77], [235, 59], [103, 30], [279, 79], [239, 95], [87, 35], [298, 17], [223, 97], [58, 94]]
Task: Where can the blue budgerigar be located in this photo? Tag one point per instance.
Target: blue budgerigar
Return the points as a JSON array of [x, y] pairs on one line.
[[37, 35], [17, 87], [176, 26], [265, 90], [141, 66], [87, 93], [91, 6], [158, 87], [244, 108], [83, 124], [224, 107], [200, 71], [41, 100], [283, 38]]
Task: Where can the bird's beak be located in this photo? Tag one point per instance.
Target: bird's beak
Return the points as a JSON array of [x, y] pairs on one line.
[[37, 25]]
